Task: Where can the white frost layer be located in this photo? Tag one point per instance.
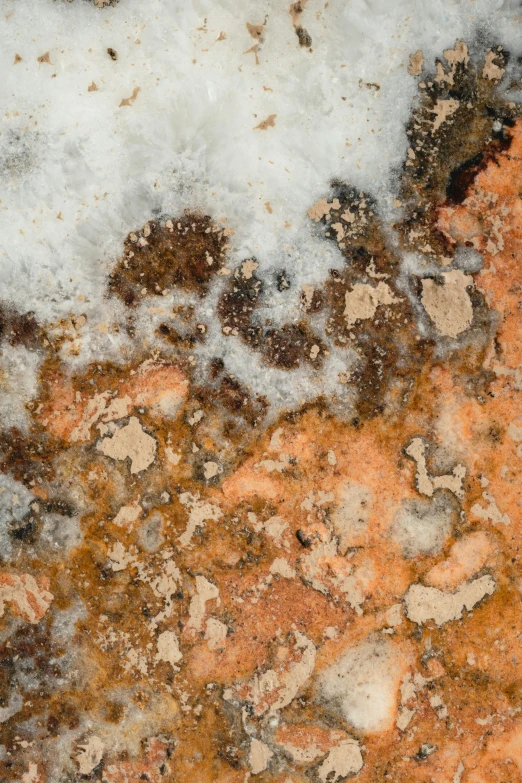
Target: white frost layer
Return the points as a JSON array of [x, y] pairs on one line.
[[421, 528], [18, 383], [363, 685], [78, 171]]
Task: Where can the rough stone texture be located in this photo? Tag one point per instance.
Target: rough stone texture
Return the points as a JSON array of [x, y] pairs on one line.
[[260, 511]]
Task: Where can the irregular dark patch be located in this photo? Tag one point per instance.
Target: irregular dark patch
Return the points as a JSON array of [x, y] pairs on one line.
[[443, 161], [184, 253], [304, 37], [20, 328], [285, 347], [389, 353]]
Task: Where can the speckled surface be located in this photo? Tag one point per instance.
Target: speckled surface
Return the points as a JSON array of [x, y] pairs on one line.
[[262, 521]]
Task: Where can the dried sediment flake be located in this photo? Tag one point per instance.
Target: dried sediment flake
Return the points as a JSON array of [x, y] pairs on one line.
[[428, 603], [168, 648], [132, 442], [259, 756], [322, 208], [345, 759], [89, 756], [416, 63], [443, 110], [205, 591], [127, 515], [427, 484], [364, 299], [448, 303], [199, 513]]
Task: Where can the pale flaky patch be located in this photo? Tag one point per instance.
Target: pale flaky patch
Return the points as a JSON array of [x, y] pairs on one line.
[[168, 648], [89, 755], [130, 442], [28, 597], [363, 300], [259, 756], [448, 305], [345, 759], [428, 603]]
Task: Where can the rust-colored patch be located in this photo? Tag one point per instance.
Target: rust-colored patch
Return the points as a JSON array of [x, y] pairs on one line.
[[462, 123]]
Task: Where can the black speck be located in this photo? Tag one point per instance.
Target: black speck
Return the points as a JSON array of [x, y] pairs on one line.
[[305, 39], [303, 540]]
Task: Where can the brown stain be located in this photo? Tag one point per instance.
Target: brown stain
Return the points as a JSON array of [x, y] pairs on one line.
[[20, 328], [255, 30], [186, 253], [389, 350], [445, 161], [269, 122], [130, 100]]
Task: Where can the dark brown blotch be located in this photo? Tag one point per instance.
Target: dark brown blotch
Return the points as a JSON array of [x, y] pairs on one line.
[[183, 253]]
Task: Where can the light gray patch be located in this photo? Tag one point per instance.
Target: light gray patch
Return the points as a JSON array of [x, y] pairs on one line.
[[360, 685], [468, 260], [421, 527], [150, 534], [18, 156], [64, 623], [19, 368], [15, 501], [14, 706], [60, 533]]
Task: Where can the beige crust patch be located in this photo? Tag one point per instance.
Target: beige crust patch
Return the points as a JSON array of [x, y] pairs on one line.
[[345, 759], [168, 648], [427, 484], [322, 209], [89, 756], [492, 71], [364, 299], [448, 305], [259, 756], [416, 63], [443, 110], [127, 515], [130, 441], [427, 603]]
